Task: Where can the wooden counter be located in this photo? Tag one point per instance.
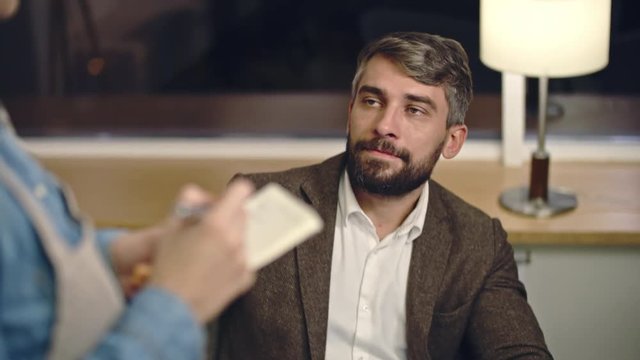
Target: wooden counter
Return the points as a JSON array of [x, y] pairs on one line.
[[608, 211], [134, 193]]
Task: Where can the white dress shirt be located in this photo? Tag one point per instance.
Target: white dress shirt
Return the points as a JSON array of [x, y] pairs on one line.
[[369, 282]]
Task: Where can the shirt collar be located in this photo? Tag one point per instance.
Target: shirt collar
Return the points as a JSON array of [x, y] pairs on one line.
[[413, 223]]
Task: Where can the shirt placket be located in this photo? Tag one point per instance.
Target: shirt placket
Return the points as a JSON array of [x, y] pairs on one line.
[[365, 326]]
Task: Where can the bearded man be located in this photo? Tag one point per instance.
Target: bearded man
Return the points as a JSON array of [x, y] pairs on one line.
[[404, 269]]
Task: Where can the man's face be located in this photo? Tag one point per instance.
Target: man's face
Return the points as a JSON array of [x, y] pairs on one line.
[[396, 130]]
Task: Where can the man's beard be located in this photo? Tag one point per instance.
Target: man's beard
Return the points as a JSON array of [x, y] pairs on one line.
[[366, 174]]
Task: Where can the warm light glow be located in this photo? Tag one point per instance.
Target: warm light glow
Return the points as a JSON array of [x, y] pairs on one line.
[[551, 38]]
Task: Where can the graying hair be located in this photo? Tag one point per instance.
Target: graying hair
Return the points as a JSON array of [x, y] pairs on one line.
[[429, 59]]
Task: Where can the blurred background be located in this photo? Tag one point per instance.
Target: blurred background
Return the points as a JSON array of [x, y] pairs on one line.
[[134, 98], [217, 67]]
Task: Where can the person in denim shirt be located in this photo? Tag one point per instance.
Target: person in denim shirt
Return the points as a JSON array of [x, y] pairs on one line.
[[198, 268]]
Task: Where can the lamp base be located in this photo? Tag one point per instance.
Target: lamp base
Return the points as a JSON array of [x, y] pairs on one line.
[[517, 200]]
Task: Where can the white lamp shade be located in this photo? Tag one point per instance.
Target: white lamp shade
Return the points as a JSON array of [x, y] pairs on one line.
[[551, 38]]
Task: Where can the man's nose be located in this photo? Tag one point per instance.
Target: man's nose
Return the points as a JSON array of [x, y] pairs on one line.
[[388, 122]]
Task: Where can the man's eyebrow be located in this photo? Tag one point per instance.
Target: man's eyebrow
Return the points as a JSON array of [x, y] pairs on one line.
[[423, 99], [371, 89]]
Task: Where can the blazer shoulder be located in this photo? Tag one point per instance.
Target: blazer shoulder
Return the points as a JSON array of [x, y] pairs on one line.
[[461, 215], [294, 177]]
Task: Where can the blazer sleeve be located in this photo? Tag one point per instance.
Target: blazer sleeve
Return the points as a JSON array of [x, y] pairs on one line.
[[502, 324]]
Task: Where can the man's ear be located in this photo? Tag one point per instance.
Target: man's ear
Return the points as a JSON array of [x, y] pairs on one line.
[[456, 135]]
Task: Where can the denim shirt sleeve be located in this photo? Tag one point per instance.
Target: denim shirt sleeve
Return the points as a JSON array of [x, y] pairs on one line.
[[156, 325]]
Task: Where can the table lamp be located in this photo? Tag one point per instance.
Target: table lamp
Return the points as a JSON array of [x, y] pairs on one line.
[[543, 39]]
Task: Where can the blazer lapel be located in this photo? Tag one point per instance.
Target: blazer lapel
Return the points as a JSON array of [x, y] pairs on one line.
[[314, 256], [428, 264]]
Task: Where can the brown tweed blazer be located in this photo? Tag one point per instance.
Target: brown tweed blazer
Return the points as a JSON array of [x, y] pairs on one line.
[[464, 300]]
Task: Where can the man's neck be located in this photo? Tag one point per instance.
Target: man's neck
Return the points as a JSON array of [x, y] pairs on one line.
[[387, 212]]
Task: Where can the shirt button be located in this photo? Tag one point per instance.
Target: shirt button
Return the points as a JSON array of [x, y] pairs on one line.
[[365, 308]]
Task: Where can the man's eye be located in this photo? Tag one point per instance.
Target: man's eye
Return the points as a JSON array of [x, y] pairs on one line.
[[415, 111], [371, 102]]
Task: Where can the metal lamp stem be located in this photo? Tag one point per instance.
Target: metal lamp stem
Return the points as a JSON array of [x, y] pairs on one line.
[[539, 182], [538, 200], [543, 85]]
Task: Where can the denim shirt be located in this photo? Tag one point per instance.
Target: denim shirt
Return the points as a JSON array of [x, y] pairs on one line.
[[156, 324]]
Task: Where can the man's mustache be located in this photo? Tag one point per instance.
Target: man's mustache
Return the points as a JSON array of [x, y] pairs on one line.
[[382, 145]]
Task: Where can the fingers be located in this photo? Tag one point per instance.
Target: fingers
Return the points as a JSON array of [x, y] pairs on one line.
[[203, 260], [193, 202], [229, 208], [237, 193], [247, 280], [192, 195]]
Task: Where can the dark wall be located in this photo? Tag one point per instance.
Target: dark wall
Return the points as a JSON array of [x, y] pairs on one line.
[[272, 46]]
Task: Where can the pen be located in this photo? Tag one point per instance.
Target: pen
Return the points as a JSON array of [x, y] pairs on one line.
[[191, 213]]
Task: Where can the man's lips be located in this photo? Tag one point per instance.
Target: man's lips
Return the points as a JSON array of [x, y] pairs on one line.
[[381, 153], [381, 149]]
